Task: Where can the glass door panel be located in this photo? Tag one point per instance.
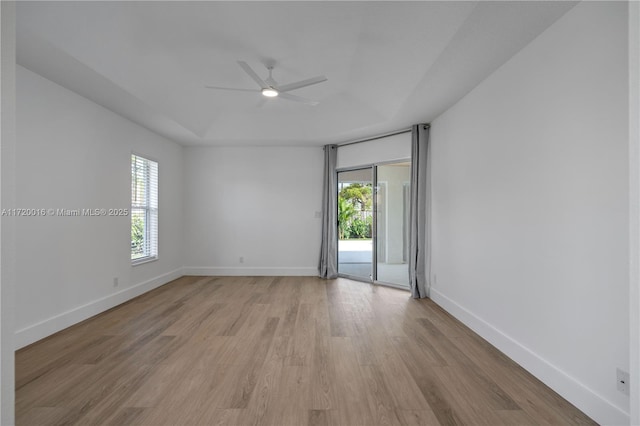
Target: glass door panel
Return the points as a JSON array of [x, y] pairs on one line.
[[355, 223], [392, 223]]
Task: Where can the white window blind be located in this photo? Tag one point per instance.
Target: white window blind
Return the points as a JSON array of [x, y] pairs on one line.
[[144, 209]]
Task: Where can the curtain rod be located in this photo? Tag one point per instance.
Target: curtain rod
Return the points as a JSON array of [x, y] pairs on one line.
[[384, 135], [372, 138]]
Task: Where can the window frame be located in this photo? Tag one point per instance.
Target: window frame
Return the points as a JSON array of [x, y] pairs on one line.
[[150, 243]]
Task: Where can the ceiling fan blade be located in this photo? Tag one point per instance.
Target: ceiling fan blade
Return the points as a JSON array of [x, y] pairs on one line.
[[295, 98], [253, 75], [300, 84], [232, 89]]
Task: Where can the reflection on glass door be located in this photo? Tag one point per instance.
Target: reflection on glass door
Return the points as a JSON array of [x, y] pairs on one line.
[[392, 223], [355, 223]]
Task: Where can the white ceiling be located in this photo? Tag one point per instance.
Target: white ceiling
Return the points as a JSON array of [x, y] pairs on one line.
[[388, 64]]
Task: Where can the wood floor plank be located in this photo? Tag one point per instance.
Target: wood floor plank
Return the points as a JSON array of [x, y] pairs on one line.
[[303, 333], [417, 418], [58, 357], [496, 395], [124, 416], [318, 418], [98, 400], [240, 390], [322, 393], [219, 417], [363, 395], [43, 415], [514, 380], [403, 389], [61, 378], [469, 401], [381, 399], [288, 401], [277, 351], [269, 387]]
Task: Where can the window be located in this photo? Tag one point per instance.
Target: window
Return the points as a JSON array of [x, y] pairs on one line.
[[144, 209]]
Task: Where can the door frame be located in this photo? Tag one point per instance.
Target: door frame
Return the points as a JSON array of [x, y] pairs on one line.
[[374, 231], [373, 226]]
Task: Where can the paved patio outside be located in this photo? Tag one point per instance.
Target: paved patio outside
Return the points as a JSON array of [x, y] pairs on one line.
[[354, 258]]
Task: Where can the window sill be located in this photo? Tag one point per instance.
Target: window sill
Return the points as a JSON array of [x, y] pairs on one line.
[[143, 260]]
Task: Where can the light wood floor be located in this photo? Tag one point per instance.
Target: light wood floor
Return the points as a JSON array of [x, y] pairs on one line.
[[277, 351]]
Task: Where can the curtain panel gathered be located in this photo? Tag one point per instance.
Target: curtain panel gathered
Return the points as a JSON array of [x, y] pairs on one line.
[[328, 265], [419, 213]]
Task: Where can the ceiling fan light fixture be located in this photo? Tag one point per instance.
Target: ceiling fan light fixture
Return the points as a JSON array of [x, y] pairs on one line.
[[269, 88], [270, 92]]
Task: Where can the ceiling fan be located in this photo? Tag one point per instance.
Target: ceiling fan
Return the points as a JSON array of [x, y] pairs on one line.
[[271, 89]]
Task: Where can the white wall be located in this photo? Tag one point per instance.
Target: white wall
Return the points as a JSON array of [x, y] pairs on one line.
[[259, 203], [634, 207], [7, 189], [73, 154], [530, 208]]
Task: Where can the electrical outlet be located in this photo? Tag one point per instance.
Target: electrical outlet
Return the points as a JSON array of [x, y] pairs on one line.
[[622, 381], [241, 259], [115, 282]]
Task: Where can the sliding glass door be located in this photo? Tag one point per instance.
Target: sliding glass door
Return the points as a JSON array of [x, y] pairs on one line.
[[355, 223], [392, 223], [373, 215]]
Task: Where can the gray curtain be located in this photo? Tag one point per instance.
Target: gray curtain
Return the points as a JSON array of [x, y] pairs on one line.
[[328, 266], [420, 217]]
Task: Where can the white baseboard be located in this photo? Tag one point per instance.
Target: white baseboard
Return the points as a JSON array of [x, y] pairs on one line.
[[42, 329], [218, 271], [598, 408]]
